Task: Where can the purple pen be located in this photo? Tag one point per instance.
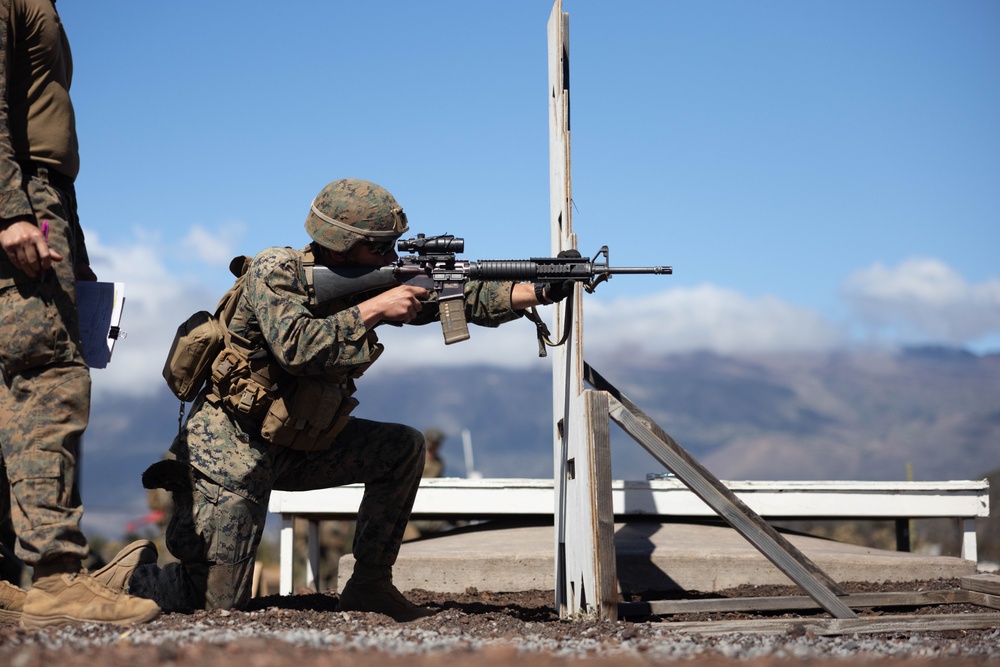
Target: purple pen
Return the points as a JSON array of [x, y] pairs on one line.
[[45, 233]]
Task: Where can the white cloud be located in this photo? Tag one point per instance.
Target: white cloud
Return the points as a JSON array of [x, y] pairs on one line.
[[704, 318], [512, 345], [923, 299], [676, 320], [216, 248], [156, 301]]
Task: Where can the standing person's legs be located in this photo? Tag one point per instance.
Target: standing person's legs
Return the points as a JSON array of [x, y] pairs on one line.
[[36, 501], [44, 410], [11, 595], [45, 400], [42, 417], [11, 568]]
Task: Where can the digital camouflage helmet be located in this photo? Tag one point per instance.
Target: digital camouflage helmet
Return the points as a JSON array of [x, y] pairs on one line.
[[352, 211]]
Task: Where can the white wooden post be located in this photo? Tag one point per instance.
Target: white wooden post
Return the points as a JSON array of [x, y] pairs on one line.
[[312, 555], [585, 558], [968, 530], [287, 553]]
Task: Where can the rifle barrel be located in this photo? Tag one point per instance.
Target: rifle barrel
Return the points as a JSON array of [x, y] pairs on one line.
[[533, 269], [656, 270]]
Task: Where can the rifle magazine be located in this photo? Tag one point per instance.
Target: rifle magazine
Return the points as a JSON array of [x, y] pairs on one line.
[[453, 324]]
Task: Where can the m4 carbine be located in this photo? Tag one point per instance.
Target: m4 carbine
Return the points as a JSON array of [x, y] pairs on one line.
[[434, 267]]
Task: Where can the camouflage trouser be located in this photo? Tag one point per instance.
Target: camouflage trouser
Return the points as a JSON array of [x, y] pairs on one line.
[[218, 522], [45, 397]]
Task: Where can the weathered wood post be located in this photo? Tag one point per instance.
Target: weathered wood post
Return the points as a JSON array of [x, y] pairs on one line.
[[584, 524]]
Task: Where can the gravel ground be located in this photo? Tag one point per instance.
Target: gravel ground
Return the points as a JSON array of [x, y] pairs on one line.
[[489, 628]]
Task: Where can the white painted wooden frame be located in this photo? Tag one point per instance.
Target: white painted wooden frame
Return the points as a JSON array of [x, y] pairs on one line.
[[457, 498]]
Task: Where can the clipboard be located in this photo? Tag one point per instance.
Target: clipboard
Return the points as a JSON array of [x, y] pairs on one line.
[[100, 306]]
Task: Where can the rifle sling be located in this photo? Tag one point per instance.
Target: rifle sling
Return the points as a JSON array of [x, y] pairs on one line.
[[543, 331]]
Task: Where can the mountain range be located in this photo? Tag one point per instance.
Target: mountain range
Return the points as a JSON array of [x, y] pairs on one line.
[[927, 413]]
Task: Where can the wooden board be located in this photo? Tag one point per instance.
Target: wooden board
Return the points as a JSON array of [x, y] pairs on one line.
[[796, 603], [984, 583], [845, 626], [834, 500], [589, 534]]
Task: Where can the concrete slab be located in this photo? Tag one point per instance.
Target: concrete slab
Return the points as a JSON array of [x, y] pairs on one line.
[[650, 557]]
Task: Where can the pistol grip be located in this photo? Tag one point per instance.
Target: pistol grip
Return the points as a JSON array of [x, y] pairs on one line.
[[453, 324]]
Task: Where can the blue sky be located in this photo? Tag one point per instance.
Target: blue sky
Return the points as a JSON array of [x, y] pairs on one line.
[[819, 174]]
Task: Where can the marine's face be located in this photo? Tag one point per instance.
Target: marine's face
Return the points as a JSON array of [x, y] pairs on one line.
[[361, 254], [371, 254]]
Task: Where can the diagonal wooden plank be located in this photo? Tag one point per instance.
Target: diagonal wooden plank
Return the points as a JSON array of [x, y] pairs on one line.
[[800, 569]]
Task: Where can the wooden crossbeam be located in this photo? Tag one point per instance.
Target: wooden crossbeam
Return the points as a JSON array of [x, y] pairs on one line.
[[804, 603], [983, 583], [842, 626]]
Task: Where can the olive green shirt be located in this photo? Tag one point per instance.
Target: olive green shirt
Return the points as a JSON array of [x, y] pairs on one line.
[[37, 123]]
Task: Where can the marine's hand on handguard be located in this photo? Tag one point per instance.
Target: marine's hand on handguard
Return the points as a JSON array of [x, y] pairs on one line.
[[556, 291]]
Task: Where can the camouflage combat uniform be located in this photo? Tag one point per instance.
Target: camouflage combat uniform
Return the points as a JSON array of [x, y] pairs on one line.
[[45, 398], [222, 504]]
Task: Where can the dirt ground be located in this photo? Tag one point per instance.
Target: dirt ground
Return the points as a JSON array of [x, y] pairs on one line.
[[489, 629]]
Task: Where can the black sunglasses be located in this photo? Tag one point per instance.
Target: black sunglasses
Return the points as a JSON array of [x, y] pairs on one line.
[[380, 247]]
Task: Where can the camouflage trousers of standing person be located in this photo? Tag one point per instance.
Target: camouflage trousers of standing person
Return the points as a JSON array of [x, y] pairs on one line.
[[45, 396], [221, 504]]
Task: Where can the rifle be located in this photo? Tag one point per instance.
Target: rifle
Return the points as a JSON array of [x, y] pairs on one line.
[[435, 267]]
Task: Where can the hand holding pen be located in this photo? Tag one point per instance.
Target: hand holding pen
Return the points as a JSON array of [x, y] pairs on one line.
[[44, 226], [27, 247]]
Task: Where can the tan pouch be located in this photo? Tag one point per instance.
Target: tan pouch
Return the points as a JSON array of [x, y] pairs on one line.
[[309, 415], [197, 343], [200, 339], [243, 389]]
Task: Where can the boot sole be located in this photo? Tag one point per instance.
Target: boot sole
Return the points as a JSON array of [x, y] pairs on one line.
[[9, 616], [31, 622]]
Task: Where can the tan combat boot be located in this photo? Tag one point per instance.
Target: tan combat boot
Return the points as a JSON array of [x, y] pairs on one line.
[[58, 599], [11, 602], [116, 574], [373, 591]]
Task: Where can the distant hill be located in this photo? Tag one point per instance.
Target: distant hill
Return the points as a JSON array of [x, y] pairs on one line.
[[863, 416], [832, 416]]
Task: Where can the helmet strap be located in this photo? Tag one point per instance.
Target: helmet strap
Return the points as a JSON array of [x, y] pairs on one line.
[[364, 233]]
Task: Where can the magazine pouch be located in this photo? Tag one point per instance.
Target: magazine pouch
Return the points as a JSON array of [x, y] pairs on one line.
[[309, 414]]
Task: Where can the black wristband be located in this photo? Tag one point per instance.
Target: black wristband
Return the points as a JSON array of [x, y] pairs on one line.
[[540, 293]]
